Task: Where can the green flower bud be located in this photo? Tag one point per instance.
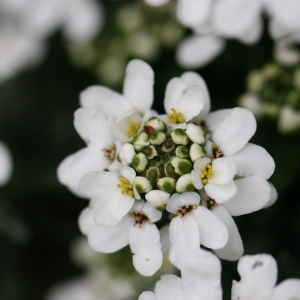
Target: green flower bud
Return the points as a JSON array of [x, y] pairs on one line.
[[155, 124], [142, 184], [181, 165], [157, 138], [168, 145], [140, 141], [179, 136], [150, 151], [196, 133], [185, 184], [139, 162], [170, 170], [196, 152], [166, 184], [158, 199], [153, 174], [182, 152]]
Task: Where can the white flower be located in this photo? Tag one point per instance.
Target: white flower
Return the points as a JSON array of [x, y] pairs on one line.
[[258, 278], [116, 193], [137, 93], [5, 163], [200, 280], [136, 229], [192, 225], [216, 177], [100, 153], [289, 119]]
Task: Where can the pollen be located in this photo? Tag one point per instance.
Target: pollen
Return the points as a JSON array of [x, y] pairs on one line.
[[216, 152], [206, 173], [125, 186], [176, 117], [134, 128], [110, 152], [187, 209]]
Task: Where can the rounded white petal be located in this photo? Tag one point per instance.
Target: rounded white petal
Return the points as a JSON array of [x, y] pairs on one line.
[[234, 248], [5, 163], [287, 289], [213, 120], [235, 131], [105, 100], [254, 160], [158, 198], [165, 238], [198, 51], [189, 198], [128, 173], [145, 245], [138, 85], [147, 296], [184, 236], [113, 208], [74, 166], [174, 203], [213, 233], [86, 221], [201, 276], [273, 196], [111, 239], [258, 277], [168, 288], [289, 119], [253, 193], [223, 169], [221, 192], [195, 133], [152, 214]]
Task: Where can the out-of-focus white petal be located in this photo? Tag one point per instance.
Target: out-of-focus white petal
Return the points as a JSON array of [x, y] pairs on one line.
[[165, 238], [213, 233], [198, 51], [235, 131], [273, 196], [221, 192], [86, 221], [168, 288], [234, 248], [287, 290], [5, 163], [111, 239], [258, 277], [138, 85], [105, 100], [254, 160], [201, 276], [289, 119], [184, 236], [145, 245], [156, 2], [253, 193], [147, 296]]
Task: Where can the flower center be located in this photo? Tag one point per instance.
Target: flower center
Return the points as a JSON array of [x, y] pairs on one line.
[[134, 128], [125, 186], [210, 202], [110, 153], [206, 173], [182, 211], [175, 117], [216, 152], [139, 218]]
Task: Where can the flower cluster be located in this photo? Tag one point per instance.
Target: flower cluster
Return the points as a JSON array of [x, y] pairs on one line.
[[165, 182]]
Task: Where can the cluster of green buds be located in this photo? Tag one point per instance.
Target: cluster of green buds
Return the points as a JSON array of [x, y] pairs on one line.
[[163, 158]]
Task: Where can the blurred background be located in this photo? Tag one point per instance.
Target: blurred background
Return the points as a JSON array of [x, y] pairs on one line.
[[38, 216]]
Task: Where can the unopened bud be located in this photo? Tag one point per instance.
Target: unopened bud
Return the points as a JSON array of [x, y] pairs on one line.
[[157, 138], [142, 184], [181, 165], [179, 136], [166, 184], [168, 145], [159, 199], [182, 152], [170, 170], [196, 152], [153, 174], [140, 141], [126, 154], [139, 162], [185, 184], [156, 124], [150, 151], [196, 133]]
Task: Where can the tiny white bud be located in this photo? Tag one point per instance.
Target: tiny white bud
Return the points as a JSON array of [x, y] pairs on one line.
[[196, 133], [126, 154], [159, 199], [179, 136], [142, 184], [139, 162], [140, 141], [185, 183], [196, 152]]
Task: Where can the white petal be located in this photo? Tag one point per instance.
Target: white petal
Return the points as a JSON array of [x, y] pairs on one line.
[[235, 131], [152, 214], [252, 194], [156, 2], [273, 196], [213, 233], [174, 203], [105, 100], [138, 85], [215, 118], [128, 173], [224, 169], [147, 296], [184, 236], [221, 192], [74, 166], [98, 184], [168, 288], [287, 290], [195, 133], [111, 239], [158, 198], [126, 154], [201, 276], [5, 163], [258, 277], [86, 221], [112, 209], [189, 198], [145, 245], [254, 160], [234, 248], [198, 51]]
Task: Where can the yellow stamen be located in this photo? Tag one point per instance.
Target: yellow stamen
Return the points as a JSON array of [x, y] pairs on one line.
[[125, 186], [176, 117], [206, 173], [134, 128], [110, 153]]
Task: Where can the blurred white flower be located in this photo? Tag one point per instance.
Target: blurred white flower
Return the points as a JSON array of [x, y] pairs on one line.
[[258, 278], [6, 164]]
